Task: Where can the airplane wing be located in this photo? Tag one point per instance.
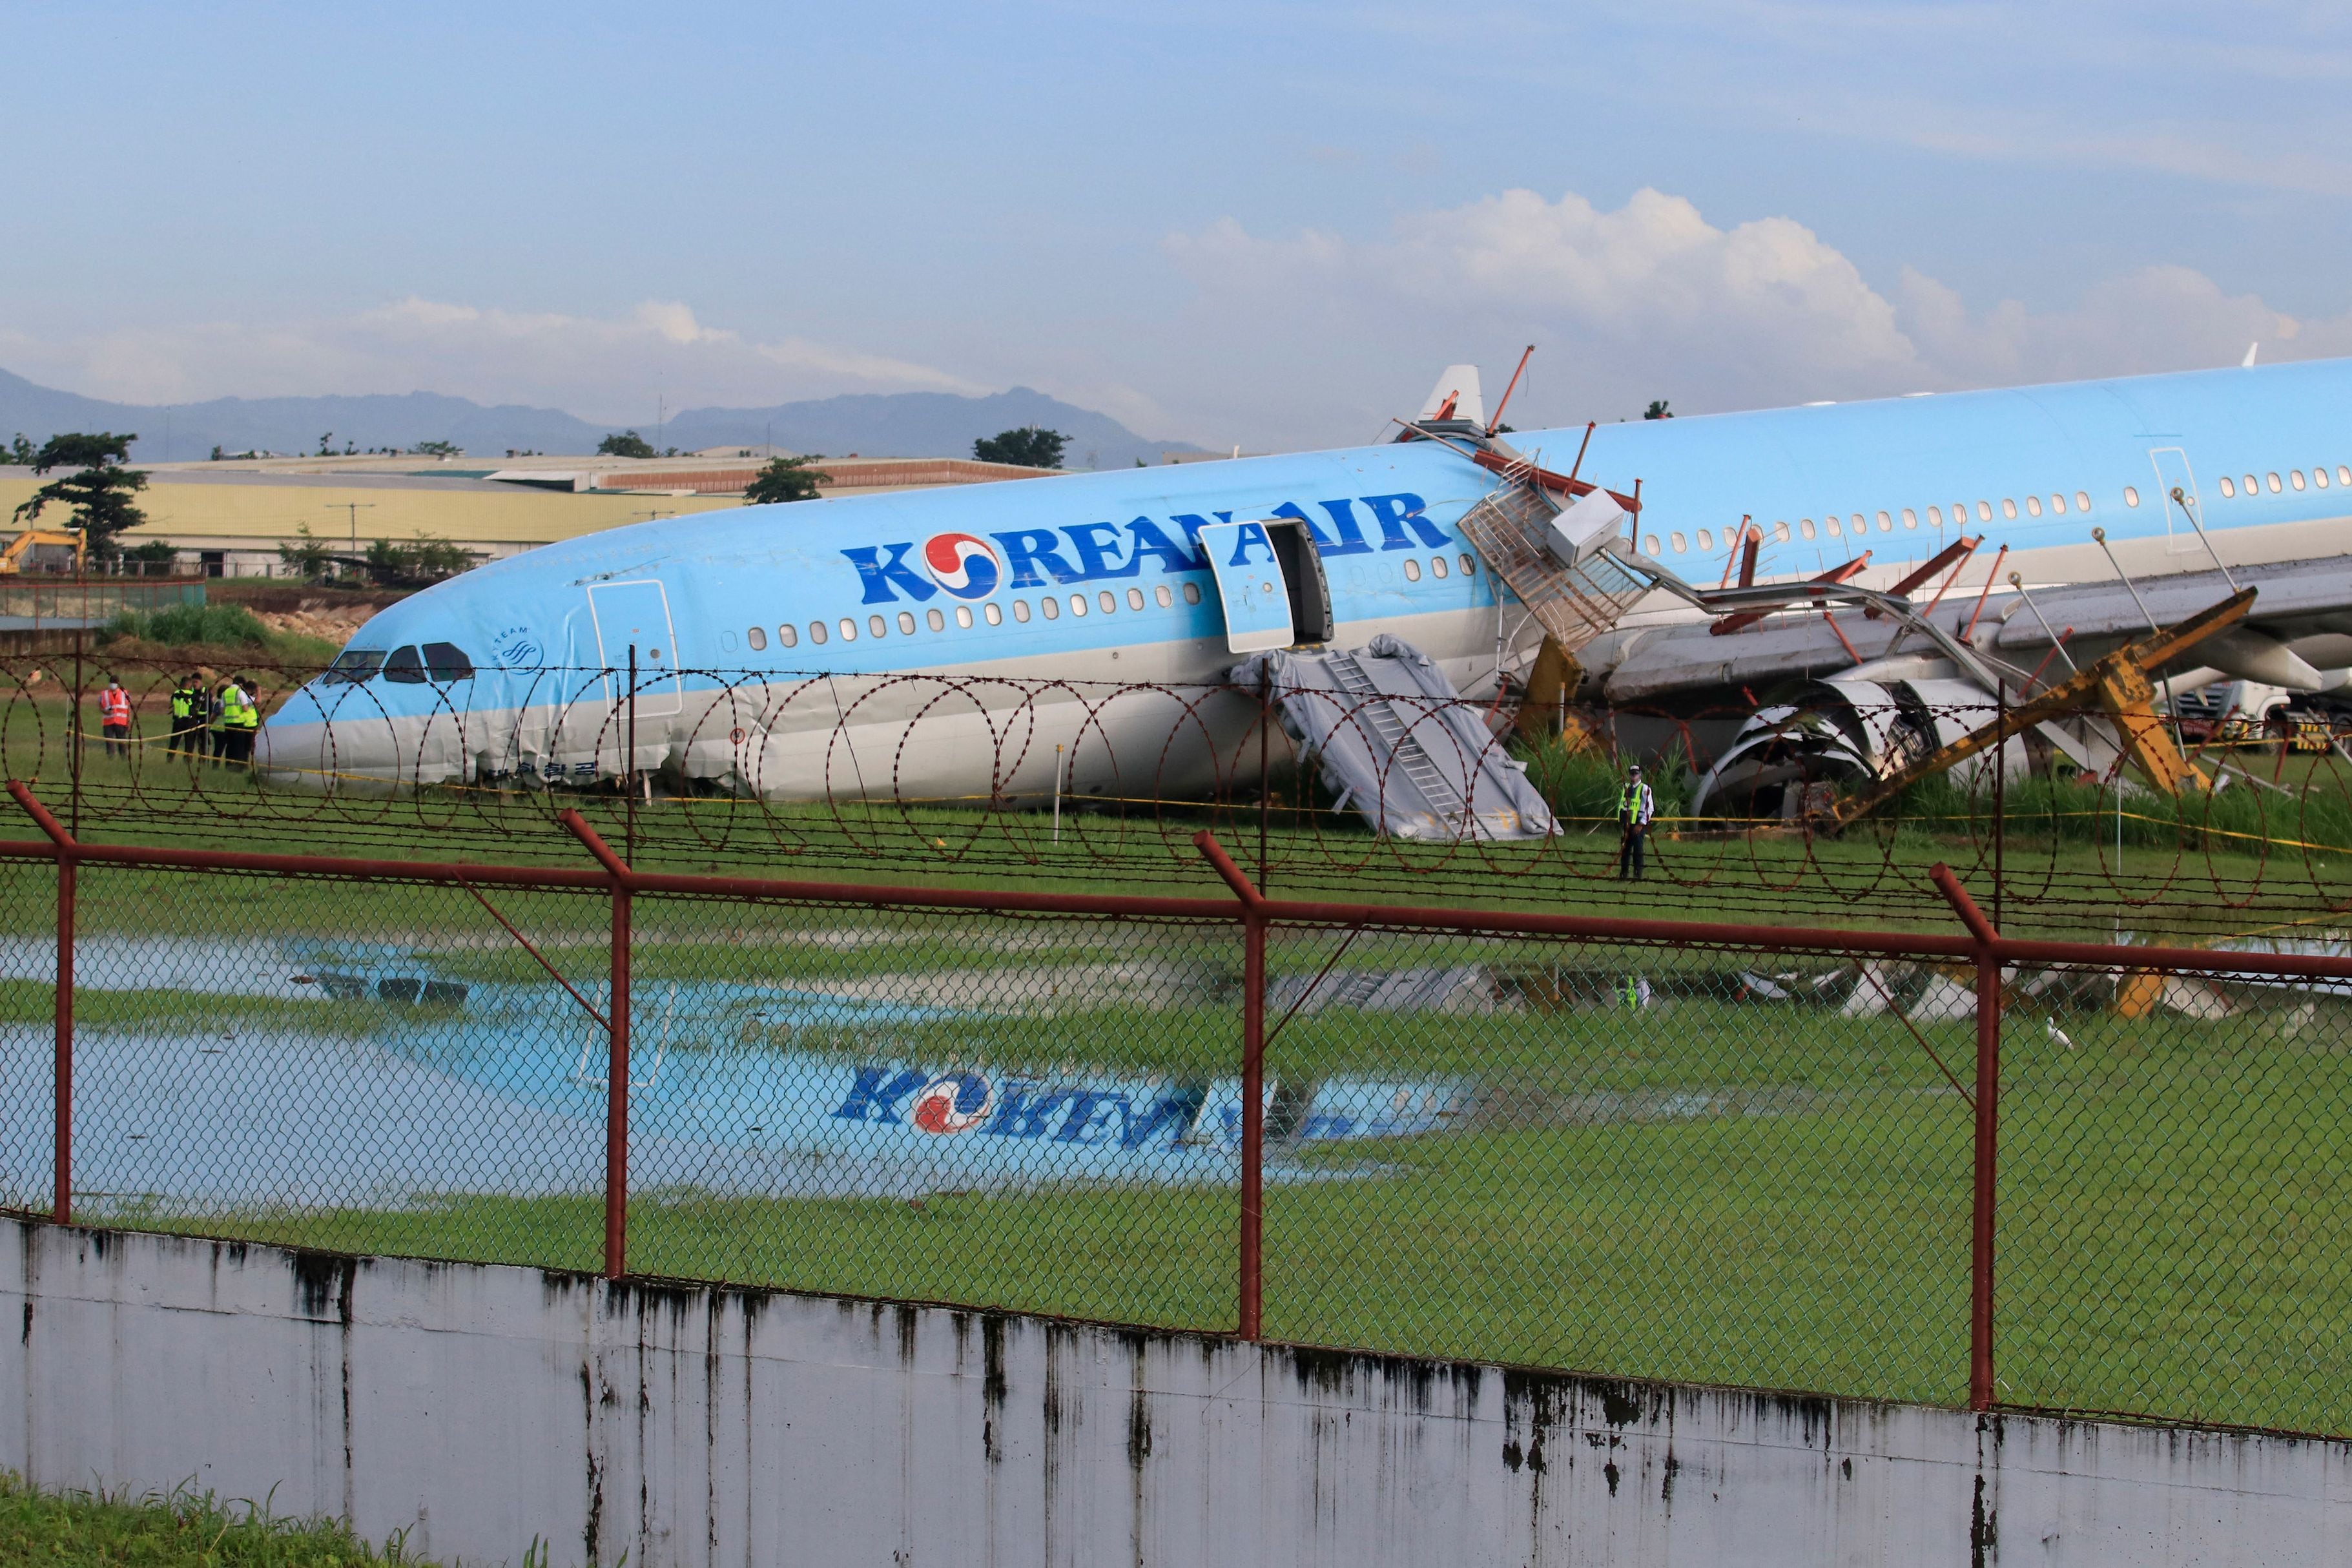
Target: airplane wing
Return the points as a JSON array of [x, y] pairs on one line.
[[2298, 637]]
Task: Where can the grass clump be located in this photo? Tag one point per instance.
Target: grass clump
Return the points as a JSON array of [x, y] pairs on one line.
[[182, 1529], [220, 625]]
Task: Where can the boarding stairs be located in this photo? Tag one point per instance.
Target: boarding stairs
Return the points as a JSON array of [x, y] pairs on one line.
[[1511, 528], [1394, 740]]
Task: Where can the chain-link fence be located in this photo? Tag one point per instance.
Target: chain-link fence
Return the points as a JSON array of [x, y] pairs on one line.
[[1740, 1155]]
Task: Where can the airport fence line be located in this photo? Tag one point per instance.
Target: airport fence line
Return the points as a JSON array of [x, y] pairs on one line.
[[909, 774], [1757, 1155]]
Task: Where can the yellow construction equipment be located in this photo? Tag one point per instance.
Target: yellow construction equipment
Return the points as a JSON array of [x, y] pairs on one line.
[[2118, 684], [18, 552]]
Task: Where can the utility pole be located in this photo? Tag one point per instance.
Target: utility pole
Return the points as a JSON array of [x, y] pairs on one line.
[[354, 508]]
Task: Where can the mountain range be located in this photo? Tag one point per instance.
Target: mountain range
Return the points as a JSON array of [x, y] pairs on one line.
[[873, 424]]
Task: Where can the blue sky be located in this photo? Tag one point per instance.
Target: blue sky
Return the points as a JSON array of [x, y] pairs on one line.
[[1266, 225]]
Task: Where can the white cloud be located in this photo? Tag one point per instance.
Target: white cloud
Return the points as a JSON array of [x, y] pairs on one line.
[[1651, 300], [598, 367]]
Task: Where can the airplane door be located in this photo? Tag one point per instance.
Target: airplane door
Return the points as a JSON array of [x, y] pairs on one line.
[[636, 615], [1270, 582], [2182, 516]]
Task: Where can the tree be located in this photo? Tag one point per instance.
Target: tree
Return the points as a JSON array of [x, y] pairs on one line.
[[21, 455], [438, 449], [419, 564], [142, 560], [99, 491], [1658, 410], [312, 560], [327, 445], [783, 479], [627, 444], [1029, 447]]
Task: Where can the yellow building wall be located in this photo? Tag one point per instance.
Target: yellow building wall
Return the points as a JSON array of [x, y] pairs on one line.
[[186, 513]]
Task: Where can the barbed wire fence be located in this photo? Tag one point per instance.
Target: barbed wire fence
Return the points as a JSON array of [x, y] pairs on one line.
[[1100, 779]]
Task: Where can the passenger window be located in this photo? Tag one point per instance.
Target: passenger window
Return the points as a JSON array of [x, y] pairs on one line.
[[1860, 525], [2008, 508], [906, 623], [1051, 607], [1780, 531], [405, 666], [2058, 502], [2228, 489], [2320, 475], [2252, 487], [2081, 500], [1650, 543], [1437, 562], [936, 621], [1165, 598], [1109, 600], [787, 636], [1886, 523], [2343, 475], [2274, 481], [1193, 590], [1469, 567], [2295, 478], [1935, 516], [1805, 526], [355, 667], [1021, 610], [1910, 517], [1984, 511], [963, 617], [1077, 604], [1706, 539], [1413, 567], [446, 662], [758, 637], [1837, 528], [1135, 599], [991, 613], [876, 626], [2131, 496], [816, 632], [2033, 505]]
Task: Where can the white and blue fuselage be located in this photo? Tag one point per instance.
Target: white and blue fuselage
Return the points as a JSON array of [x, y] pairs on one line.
[[943, 644]]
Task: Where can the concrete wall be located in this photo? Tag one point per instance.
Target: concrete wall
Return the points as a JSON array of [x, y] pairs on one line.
[[482, 1406]]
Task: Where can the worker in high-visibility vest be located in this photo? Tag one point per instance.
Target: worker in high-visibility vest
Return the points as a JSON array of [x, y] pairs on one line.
[[114, 718], [239, 720], [1635, 806], [186, 725]]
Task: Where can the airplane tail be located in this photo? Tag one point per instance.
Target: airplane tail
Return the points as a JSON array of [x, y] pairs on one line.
[[1456, 396]]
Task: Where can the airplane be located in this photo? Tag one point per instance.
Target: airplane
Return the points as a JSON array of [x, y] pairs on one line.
[[1076, 633]]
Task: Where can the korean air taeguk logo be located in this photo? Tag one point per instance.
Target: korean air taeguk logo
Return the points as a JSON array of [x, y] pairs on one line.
[[965, 565]]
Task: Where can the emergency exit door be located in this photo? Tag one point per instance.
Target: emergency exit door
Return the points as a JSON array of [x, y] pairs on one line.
[[1270, 582], [636, 615]]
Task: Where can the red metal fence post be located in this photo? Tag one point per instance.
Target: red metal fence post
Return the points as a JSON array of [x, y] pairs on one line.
[[1252, 1236], [1250, 1315], [61, 1072], [1987, 1159], [617, 1065]]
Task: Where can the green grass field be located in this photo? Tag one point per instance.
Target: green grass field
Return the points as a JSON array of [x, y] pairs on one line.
[[180, 1530]]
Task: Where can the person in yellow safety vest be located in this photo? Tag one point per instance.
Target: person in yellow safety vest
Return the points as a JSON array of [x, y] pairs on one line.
[[185, 725], [1635, 806], [239, 720], [216, 723], [114, 718]]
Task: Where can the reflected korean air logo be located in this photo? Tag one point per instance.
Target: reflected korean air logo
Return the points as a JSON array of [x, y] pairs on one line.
[[951, 1102], [965, 565]]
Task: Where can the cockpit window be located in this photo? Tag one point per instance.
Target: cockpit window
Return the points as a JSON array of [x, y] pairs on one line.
[[355, 667], [405, 666], [446, 662]]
